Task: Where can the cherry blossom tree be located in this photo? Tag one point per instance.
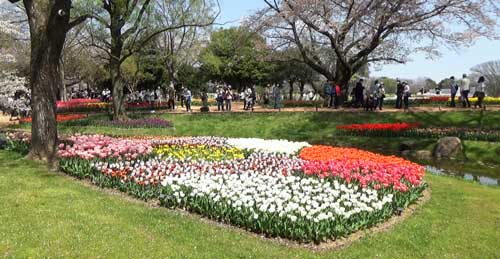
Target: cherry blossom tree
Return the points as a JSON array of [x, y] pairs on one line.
[[338, 37], [14, 95]]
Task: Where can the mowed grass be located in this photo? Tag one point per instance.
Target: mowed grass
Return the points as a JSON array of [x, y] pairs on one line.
[[44, 214], [308, 126], [315, 128]]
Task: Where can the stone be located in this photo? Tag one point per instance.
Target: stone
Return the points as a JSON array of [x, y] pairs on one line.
[[407, 145], [406, 153], [204, 109], [448, 147], [423, 155], [3, 143]]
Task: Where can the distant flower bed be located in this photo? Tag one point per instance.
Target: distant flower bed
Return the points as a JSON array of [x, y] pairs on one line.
[[443, 100], [414, 130], [76, 103], [377, 129], [462, 133], [59, 118], [439, 99], [138, 123], [310, 194], [95, 105]]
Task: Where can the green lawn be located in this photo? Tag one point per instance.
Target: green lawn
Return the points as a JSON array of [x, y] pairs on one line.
[[314, 128], [44, 214], [310, 126]]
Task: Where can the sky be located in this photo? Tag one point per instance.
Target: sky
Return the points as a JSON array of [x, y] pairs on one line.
[[450, 63]]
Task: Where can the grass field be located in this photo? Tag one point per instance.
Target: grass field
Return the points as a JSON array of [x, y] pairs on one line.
[[45, 214], [314, 128]]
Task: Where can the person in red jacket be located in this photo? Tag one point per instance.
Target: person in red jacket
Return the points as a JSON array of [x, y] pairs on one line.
[[338, 93]]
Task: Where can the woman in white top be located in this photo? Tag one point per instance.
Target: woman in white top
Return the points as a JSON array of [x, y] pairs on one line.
[[406, 94], [380, 95], [480, 92], [228, 96], [465, 91]]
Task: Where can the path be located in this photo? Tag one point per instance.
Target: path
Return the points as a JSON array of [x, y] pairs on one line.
[[238, 107], [4, 121]]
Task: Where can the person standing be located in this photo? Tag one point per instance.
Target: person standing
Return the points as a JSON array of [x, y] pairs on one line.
[[171, 96], [253, 97], [331, 85], [453, 91], [182, 96], [244, 99], [358, 93], [399, 94], [276, 96], [229, 98], [465, 91], [248, 98], [381, 95], [327, 91], [480, 92], [338, 93], [406, 96], [187, 99], [159, 96], [220, 98]]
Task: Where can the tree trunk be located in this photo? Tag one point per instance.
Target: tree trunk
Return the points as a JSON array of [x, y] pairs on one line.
[[48, 33], [342, 77], [118, 93], [115, 69]]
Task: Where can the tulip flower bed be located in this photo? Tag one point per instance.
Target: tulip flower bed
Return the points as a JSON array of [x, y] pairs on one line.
[[441, 100], [138, 123], [376, 129], [17, 142], [59, 118], [81, 105], [200, 152], [492, 135], [365, 168], [274, 187], [413, 130]]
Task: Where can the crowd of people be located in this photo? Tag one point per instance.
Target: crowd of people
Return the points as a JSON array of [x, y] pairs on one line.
[[224, 97], [463, 87], [372, 98]]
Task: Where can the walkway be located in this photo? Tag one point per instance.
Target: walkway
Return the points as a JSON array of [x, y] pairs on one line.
[[238, 107]]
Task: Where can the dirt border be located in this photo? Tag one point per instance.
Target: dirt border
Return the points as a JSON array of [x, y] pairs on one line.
[[333, 245]]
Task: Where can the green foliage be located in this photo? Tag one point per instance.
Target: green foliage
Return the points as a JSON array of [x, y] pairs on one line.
[[236, 56], [390, 84], [20, 147]]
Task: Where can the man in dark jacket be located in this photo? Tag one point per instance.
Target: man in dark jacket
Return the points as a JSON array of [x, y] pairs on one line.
[[399, 94], [358, 93]]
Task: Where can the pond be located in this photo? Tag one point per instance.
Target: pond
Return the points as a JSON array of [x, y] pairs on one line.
[[483, 174]]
